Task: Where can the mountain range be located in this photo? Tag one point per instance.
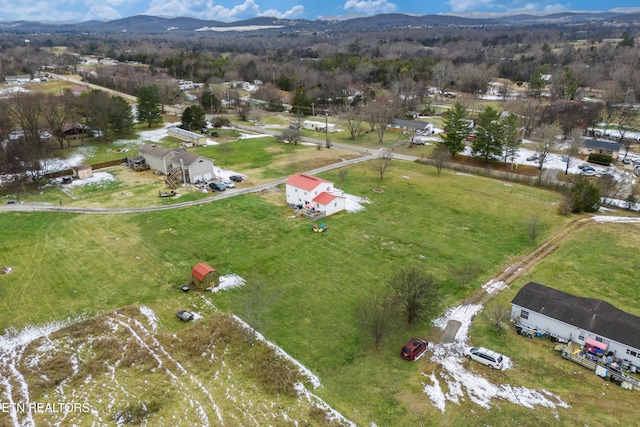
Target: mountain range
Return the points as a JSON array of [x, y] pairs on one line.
[[153, 24]]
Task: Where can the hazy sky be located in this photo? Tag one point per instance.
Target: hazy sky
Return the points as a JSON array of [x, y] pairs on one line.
[[234, 10]]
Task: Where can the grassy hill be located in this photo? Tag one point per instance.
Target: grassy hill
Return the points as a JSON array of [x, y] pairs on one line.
[[304, 285]]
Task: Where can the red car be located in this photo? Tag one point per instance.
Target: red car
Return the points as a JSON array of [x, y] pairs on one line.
[[414, 349]]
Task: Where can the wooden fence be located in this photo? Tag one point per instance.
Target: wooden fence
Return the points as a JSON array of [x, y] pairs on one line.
[[95, 166]]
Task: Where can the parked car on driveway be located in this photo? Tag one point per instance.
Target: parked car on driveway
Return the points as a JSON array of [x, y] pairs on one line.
[[532, 158], [414, 349], [216, 186], [235, 178], [228, 184], [485, 356]]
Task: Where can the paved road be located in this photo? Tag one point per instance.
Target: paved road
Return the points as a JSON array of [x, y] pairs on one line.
[[41, 207]]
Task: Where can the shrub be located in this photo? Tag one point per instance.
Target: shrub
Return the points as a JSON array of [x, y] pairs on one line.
[[600, 159], [221, 121], [584, 196]]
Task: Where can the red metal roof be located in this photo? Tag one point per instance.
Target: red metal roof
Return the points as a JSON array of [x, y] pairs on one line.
[[306, 182], [201, 270], [324, 198]]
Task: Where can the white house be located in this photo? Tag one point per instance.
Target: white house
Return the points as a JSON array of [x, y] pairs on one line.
[[314, 193], [319, 126], [585, 321], [196, 168]]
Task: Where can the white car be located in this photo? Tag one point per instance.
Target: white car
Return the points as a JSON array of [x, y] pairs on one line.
[[484, 356], [228, 184]]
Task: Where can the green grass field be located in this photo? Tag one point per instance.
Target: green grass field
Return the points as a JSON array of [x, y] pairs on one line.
[[461, 228]]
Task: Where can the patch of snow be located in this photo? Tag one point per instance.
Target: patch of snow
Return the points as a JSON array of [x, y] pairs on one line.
[[435, 393], [12, 346], [252, 136], [353, 203], [460, 382], [490, 287], [97, 178], [620, 219], [151, 317], [229, 281]]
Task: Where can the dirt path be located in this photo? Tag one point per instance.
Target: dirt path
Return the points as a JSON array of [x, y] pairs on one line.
[[512, 272]]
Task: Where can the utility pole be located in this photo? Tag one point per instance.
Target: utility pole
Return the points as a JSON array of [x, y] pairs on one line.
[[326, 129]]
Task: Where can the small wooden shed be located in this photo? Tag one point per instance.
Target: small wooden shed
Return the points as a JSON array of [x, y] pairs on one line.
[[82, 171], [204, 276]]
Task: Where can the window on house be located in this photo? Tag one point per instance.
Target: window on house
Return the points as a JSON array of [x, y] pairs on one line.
[[581, 337], [524, 314], [632, 353]]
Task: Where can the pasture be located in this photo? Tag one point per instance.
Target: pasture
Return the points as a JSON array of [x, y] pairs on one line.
[[461, 228]]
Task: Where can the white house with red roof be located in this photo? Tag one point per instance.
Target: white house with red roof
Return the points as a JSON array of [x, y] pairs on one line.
[[315, 194]]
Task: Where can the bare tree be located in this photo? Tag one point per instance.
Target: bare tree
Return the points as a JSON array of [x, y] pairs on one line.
[[528, 111], [379, 112], [441, 156], [27, 112], [56, 111], [351, 116], [544, 135], [342, 174], [376, 314], [574, 139], [382, 163], [533, 227], [417, 292], [291, 135], [498, 316], [610, 188], [443, 75]]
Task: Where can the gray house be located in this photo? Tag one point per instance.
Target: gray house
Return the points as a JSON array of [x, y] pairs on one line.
[[196, 168], [411, 125], [585, 321]]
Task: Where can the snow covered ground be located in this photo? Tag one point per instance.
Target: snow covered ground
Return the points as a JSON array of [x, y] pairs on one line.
[[14, 388], [463, 384]]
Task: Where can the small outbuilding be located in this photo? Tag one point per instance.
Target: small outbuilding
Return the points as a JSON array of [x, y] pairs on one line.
[[82, 171], [204, 276]]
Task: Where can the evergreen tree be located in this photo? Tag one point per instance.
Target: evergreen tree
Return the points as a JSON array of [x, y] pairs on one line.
[[120, 116], [456, 128], [193, 118], [512, 137], [149, 105], [489, 138], [210, 102], [537, 81]]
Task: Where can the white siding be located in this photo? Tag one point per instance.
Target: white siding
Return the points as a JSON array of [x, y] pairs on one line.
[[568, 332]]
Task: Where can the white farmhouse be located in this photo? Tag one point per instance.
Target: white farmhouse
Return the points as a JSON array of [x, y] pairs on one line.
[[314, 194], [585, 321]]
